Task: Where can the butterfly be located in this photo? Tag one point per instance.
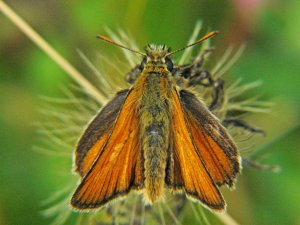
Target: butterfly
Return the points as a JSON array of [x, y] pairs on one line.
[[153, 136]]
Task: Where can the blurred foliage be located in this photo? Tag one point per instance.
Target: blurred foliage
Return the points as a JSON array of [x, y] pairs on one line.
[[270, 30]]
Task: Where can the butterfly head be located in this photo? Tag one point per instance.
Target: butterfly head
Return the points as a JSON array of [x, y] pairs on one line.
[[157, 56]]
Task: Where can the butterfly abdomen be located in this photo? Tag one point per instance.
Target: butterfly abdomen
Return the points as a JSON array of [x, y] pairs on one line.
[[154, 133]]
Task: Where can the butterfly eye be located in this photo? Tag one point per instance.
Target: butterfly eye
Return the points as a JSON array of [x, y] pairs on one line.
[[169, 64], [142, 65]]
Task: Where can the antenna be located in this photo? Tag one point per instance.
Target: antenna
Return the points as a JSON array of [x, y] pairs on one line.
[[119, 45], [209, 35]]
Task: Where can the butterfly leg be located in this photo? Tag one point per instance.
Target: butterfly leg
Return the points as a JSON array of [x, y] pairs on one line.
[[204, 78], [246, 162], [243, 125], [197, 75], [133, 74], [252, 164], [217, 95], [195, 67]]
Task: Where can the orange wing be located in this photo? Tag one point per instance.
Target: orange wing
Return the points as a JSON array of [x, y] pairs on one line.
[[213, 145], [97, 133], [192, 176], [118, 168]]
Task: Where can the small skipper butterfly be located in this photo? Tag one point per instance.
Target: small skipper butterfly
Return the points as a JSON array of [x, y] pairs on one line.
[[155, 135]]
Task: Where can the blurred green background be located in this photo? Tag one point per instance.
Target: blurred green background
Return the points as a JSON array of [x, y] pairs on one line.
[[270, 28]]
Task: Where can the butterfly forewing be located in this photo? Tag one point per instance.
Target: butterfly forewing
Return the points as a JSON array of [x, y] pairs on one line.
[[95, 136], [213, 145], [118, 167], [194, 176]]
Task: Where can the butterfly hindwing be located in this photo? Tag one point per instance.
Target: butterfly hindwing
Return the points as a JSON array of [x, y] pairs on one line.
[[118, 167]]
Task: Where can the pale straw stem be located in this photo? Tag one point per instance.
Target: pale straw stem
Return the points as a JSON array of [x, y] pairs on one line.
[[226, 218], [51, 52]]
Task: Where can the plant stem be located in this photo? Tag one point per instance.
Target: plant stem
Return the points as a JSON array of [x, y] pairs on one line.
[[51, 52]]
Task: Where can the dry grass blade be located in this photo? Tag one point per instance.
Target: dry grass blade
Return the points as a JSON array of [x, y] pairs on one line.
[[187, 52], [51, 52], [226, 218]]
